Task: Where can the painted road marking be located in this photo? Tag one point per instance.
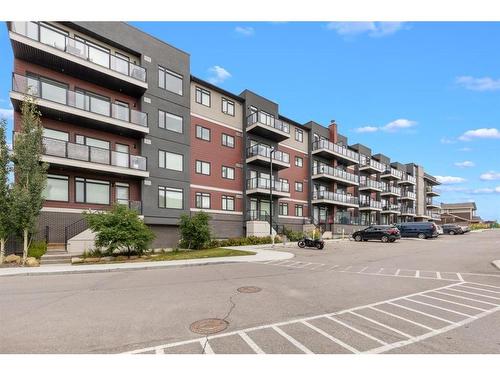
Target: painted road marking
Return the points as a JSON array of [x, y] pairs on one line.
[[471, 287], [364, 269], [455, 303], [460, 277], [403, 324], [476, 294], [467, 298], [397, 272], [438, 275]]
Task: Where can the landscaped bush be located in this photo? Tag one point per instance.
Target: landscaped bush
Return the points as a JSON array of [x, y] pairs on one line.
[[37, 249], [195, 231], [243, 241], [293, 235]]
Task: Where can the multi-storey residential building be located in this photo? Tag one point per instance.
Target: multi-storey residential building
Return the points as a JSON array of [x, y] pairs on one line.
[[125, 122]]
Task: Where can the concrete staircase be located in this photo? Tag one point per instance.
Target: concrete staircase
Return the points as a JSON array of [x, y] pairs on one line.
[[56, 254]]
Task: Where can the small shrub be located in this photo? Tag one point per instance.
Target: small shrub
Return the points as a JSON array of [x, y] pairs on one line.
[[195, 231], [293, 235], [37, 249]]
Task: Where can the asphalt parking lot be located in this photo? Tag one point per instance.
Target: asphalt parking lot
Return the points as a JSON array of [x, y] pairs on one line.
[[412, 296]]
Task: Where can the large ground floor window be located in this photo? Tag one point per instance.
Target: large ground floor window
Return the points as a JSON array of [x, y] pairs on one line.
[[57, 188], [92, 191]]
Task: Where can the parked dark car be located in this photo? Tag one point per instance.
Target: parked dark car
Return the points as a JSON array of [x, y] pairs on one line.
[[452, 229], [384, 233], [419, 229]]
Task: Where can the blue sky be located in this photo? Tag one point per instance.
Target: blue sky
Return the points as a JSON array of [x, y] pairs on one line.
[[419, 92]]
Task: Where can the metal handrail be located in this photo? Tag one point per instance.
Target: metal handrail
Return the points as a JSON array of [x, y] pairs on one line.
[[268, 120], [370, 203], [393, 172], [264, 150], [342, 150], [336, 172], [371, 183], [265, 183], [367, 161], [337, 197]]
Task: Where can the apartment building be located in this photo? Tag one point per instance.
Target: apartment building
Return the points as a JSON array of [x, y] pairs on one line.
[[125, 122], [464, 212]]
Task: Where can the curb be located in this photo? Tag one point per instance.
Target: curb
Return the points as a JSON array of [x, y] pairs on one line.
[[496, 263]]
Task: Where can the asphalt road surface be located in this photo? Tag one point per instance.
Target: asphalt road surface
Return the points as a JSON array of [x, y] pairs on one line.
[[412, 296]]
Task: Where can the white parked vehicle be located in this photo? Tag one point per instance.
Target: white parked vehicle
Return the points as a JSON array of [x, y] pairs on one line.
[[439, 230]]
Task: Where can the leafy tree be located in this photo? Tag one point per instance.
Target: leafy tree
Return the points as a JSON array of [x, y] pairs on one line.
[[120, 229], [30, 173], [6, 224], [195, 230]]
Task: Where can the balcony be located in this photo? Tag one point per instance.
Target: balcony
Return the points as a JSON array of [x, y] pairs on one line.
[[408, 195], [265, 125], [370, 205], [430, 204], [370, 185], [371, 166], [431, 180], [325, 172], [57, 102], [391, 209], [430, 192], [261, 186], [330, 150], [434, 215], [391, 191], [74, 155], [407, 179], [392, 174], [47, 46], [408, 211], [260, 155], [339, 199]]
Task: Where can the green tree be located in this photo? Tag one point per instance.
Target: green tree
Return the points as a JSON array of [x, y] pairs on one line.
[[195, 230], [120, 229], [30, 174], [6, 224]]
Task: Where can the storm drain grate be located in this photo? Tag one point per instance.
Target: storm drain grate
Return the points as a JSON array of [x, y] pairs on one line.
[[249, 289], [208, 326]]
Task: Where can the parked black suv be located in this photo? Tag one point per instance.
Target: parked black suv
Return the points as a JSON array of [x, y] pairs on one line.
[[384, 233], [452, 229], [420, 229]]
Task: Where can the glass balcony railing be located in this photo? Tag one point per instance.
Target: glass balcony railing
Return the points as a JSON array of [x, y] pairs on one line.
[[365, 161], [50, 91], [76, 151], [265, 183], [409, 178], [393, 172], [408, 210], [335, 172], [371, 184], [391, 189], [336, 197], [265, 151], [341, 150], [52, 37], [391, 207], [371, 204], [268, 120], [408, 194]]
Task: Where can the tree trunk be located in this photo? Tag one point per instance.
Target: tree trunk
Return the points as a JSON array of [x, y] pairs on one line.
[[25, 245], [2, 249]]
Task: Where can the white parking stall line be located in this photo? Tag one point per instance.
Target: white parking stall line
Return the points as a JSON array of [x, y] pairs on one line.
[[331, 338], [159, 351], [364, 269], [438, 307], [380, 270], [381, 324], [346, 269], [460, 277], [305, 264], [333, 267], [417, 273], [208, 348], [297, 344], [251, 343], [490, 286], [455, 303], [438, 275], [480, 289], [397, 272], [356, 330], [403, 318], [316, 267], [467, 298], [421, 312], [476, 294]]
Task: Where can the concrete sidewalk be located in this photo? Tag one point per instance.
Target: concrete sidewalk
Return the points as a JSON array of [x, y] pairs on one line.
[[260, 256]]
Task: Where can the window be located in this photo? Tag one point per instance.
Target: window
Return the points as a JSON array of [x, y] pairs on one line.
[[121, 110], [227, 107], [170, 121], [299, 210], [228, 172], [169, 80], [170, 160], [56, 188], [283, 209], [170, 197], [122, 193], [55, 134], [202, 200], [203, 96], [96, 53], [227, 203], [299, 162], [92, 142], [202, 167], [299, 186], [202, 133], [92, 191], [227, 140], [299, 135], [95, 103]]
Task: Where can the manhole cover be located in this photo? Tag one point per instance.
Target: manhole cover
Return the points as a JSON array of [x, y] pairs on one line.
[[208, 326], [249, 289]]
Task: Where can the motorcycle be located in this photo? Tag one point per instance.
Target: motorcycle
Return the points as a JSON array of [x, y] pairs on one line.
[[309, 242]]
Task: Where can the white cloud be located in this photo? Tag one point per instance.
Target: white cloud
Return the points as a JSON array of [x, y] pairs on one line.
[[366, 129], [465, 149], [486, 190], [374, 29], [478, 84], [391, 127], [447, 180], [488, 133], [245, 30], [219, 74], [465, 164], [490, 176], [6, 113], [447, 141], [447, 188]]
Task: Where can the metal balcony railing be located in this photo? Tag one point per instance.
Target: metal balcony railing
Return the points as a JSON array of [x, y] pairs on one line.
[[268, 120], [371, 204], [342, 150], [337, 197], [76, 151], [408, 210], [393, 172], [335, 172], [47, 90], [263, 150], [409, 178], [258, 215], [391, 207], [265, 183], [371, 184], [366, 161], [52, 37], [391, 189], [408, 194]]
